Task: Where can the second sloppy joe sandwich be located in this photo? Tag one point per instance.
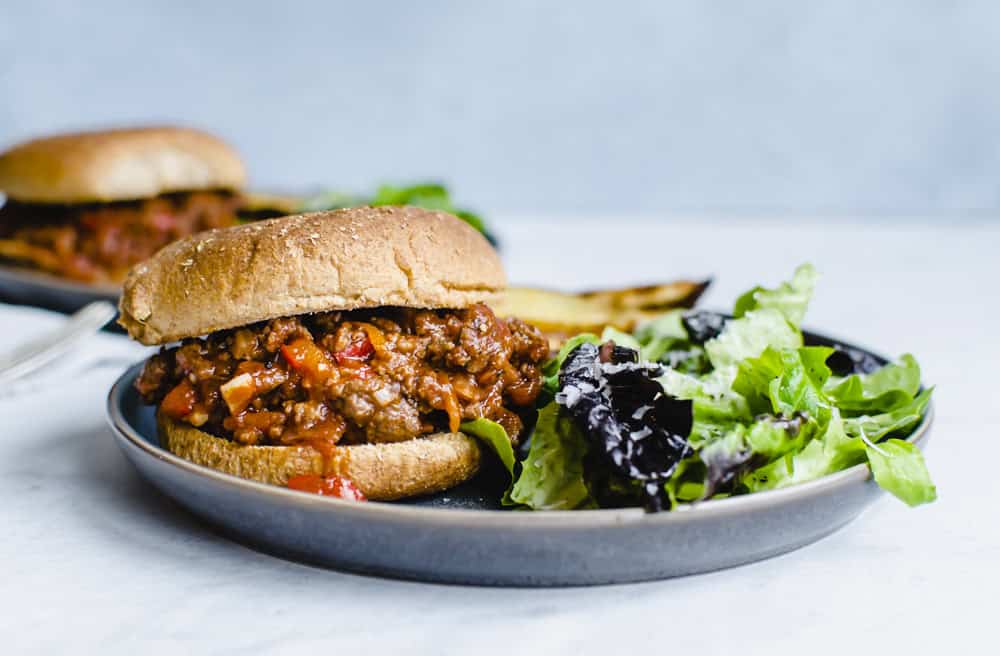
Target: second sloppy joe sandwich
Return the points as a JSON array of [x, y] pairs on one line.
[[88, 206], [337, 352]]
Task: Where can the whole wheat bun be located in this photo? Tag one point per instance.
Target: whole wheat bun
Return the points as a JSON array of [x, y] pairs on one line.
[[114, 165], [340, 260], [384, 471]]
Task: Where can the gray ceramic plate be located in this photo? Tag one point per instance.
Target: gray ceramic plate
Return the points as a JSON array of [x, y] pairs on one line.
[[27, 287], [460, 536]]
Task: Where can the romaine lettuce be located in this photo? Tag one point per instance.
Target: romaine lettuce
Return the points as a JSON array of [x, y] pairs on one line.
[[494, 436], [552, 474]]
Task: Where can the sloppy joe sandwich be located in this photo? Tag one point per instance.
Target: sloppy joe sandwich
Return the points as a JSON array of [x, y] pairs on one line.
[[88, 206], [338, 352]]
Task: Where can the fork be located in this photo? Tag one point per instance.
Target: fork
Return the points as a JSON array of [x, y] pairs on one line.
[[33, 355]]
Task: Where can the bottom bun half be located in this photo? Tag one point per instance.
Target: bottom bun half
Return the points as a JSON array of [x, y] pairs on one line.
[[386, 471]]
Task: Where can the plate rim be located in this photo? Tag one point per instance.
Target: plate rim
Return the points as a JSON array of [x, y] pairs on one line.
[[41, 278], [704, 510]]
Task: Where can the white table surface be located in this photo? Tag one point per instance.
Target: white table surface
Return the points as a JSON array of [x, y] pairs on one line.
[[94, 559]]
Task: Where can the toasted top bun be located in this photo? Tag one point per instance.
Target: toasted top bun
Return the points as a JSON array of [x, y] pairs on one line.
[[114, 165], [341, 260], [384, 471]]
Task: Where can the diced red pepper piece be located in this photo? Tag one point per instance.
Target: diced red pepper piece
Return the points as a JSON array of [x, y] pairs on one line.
[[358, 352], [331, 486], [179, 402]]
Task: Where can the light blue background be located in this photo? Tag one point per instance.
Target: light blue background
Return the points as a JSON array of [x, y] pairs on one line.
[[598, 107]]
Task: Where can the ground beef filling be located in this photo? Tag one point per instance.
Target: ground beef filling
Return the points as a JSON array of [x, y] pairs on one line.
[[98, 242], [355, 377]]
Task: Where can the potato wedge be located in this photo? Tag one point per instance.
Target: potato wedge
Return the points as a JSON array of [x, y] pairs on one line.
[[680, 293], [562, 314]]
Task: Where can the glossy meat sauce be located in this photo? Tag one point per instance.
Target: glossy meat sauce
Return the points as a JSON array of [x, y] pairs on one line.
[[381, 375]]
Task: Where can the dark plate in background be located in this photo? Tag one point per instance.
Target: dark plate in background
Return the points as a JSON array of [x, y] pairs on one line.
[[459, 536], [27, 287]]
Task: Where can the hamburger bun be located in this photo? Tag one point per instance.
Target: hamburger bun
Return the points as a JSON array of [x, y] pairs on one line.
[[117, 165], [383, 471], [341, 260]]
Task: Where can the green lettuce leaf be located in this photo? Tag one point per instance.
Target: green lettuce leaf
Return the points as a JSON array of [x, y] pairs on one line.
[[665, 340], [800, 386], [682, 385], [885, 389], [786, 382], [758, 444], [622, 339], [753, 379], [494, 436], [666, 326], [723, 459], [748, 336], [550, 370], [791, 298], [688, 481], [662, 334], [899, 468], [716, 408], [833, 451], [431, 196], [715, 416], [771, 438], [428, 195], [552, 476], [899, 421]]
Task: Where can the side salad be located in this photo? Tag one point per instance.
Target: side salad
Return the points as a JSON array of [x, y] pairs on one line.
[[696, 405]]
